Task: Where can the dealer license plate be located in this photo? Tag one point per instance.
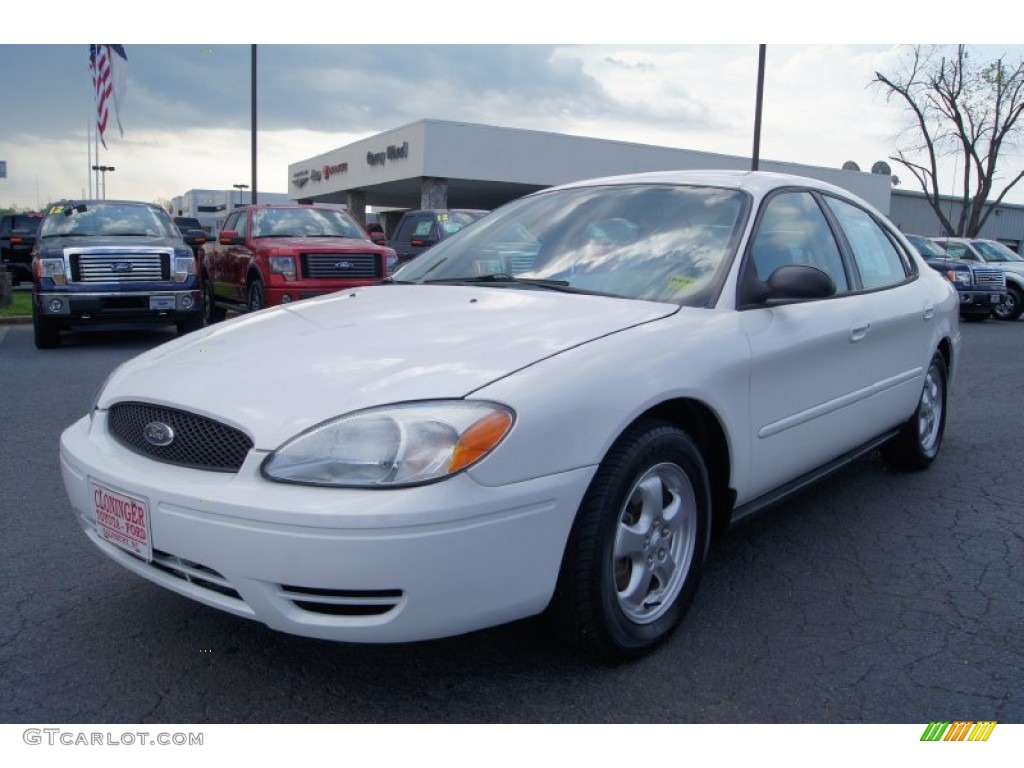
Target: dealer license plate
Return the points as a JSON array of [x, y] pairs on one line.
[[996, 298], [123, 520], [161, 302]]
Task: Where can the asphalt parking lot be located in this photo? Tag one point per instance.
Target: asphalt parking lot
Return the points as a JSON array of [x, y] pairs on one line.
[[876, 597]]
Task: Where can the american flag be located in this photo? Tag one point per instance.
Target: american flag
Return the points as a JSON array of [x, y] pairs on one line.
[[108, 64]]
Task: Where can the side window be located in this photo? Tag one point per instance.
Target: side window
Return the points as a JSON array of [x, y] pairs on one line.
[[794, 230], [424, 227], [879, 263]]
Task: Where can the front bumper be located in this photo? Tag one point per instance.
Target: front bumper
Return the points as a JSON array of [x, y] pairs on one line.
[[338, 564], [980, 301], [124, 305]]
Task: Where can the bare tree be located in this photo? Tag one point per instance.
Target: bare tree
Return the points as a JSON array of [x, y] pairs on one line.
[[166, 204], [959, 108]]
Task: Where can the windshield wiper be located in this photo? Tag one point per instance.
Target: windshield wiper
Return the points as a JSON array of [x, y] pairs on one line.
[[501, 277]]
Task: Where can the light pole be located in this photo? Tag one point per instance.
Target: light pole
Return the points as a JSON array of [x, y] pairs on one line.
[[103, 177], [240, 187]]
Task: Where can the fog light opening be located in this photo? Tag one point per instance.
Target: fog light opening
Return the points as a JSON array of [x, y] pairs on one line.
[[56, 305]]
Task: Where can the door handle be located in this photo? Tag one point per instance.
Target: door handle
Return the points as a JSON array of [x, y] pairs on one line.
[[858, 332], [929, 311]]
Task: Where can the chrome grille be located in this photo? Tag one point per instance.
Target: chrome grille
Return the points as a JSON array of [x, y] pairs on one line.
[[196, 442], [989, 277], [120, 267], [357, 266]]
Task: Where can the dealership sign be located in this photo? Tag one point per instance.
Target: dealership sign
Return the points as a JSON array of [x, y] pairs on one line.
[[393, 152]]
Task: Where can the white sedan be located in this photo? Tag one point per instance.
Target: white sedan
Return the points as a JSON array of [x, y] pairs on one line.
[[552, 411]]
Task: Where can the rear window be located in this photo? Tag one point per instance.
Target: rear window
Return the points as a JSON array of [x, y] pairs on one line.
[[26, 222]]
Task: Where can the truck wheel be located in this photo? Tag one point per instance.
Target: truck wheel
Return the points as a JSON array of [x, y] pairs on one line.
[[211, 312], [46, 332], [1013, 306], [256, 300]]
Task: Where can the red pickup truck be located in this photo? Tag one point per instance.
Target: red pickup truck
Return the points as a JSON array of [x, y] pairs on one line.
[[275, 254]]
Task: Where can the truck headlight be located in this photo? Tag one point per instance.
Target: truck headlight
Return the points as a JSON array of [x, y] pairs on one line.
[[284, 266], [392, 446], [183, 267], [53, 269]]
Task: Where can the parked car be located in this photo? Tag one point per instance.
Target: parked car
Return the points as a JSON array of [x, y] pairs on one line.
[[993, 253], [275, 254], [474, 443], [417, 231], [108, 261], [17, 237], [981, 288]]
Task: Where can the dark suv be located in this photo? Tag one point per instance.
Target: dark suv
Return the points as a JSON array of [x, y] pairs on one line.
[[418, 230], [111, 260], [17, 236]]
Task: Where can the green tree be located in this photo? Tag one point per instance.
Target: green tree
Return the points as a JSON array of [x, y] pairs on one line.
[[963, 108]]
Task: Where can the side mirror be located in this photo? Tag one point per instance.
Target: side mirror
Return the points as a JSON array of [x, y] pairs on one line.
[[195, 237], [786, 285], [230, 237]]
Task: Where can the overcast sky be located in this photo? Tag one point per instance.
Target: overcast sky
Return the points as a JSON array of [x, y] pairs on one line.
[[186, 112]]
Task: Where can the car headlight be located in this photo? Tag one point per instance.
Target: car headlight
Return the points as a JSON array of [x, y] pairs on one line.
[[183, 267], [392, 446]]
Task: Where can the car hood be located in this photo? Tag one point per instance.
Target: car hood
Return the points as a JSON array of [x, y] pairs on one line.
[[60, 242], [277, 372], [320, 244]]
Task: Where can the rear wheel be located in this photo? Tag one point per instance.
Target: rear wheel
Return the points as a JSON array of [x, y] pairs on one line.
[[919, 440], [46, 332], [638, 545], [1013, 306]]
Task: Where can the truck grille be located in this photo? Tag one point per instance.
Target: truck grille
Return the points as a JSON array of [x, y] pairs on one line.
[[196, 441], [987, 277], [356, 266], [120, 267]]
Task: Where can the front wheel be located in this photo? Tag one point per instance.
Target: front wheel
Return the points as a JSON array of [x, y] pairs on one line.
[[918, 441], [211, 312], [638, 546], [46, 332], [1013, 306], [256, 300]]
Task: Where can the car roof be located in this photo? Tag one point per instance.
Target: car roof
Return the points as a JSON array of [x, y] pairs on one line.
[[755, 182]]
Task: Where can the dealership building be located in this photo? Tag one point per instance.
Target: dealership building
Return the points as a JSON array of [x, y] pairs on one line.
[[446, 164]]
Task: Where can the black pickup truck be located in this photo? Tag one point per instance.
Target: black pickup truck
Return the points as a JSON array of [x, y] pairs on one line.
[[17, 236]]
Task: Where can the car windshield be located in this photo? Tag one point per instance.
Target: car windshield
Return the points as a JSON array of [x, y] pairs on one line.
[[995, 251], [654, 242], [104, 219], [304, 222], [928, 247]]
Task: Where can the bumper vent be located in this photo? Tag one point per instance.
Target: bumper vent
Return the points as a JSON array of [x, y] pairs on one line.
[[179, 437], [343, 602], [193, 573]]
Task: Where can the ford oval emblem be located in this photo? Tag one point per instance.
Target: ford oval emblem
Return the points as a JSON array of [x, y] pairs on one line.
[[343, 264], [159, 434], [121, 266]]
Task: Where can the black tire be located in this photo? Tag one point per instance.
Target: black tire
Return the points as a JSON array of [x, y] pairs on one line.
[[1013, 306], [255, 296], [919, 440], [630, 570], [193, 323], [46, 332], [210, 311]]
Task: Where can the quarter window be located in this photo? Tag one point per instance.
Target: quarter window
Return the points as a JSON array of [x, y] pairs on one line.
[[878, 261]]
